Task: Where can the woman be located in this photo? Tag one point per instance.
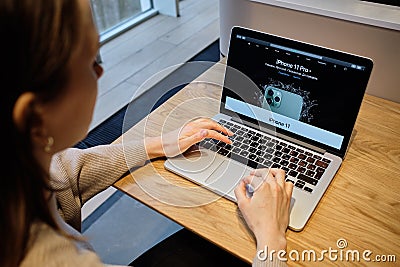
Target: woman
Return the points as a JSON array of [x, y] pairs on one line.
[[49, 79]]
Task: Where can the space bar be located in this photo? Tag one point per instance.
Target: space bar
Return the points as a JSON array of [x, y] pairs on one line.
[[246, 161]]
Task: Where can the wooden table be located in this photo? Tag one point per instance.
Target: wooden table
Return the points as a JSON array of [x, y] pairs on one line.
[[362, 204]]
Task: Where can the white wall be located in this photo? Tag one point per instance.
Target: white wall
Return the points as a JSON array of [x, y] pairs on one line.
[[382, 45]]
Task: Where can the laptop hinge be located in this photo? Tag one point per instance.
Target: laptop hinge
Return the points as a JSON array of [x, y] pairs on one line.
[[270, 131]]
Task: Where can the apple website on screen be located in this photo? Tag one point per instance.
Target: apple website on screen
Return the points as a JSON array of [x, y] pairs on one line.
[[310, 95]]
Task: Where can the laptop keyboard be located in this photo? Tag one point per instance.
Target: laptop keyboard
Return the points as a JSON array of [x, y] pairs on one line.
[[303, 167]]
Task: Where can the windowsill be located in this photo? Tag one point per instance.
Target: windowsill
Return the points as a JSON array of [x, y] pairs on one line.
[[379, 15]]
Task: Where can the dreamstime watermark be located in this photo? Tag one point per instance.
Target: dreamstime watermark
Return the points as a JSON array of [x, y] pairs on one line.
[[339, 253]]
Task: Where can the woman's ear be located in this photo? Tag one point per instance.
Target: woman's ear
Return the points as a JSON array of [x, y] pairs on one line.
[[23, 109], [26, 113]]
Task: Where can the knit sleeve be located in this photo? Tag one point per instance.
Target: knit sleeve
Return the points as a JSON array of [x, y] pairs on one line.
[[77, 175], [49, 248]]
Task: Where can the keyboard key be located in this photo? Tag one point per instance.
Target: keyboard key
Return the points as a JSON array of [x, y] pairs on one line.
[[262, 141], [255, 138], [228, 146], [269, 150], [310, 173], [300, 184], [236, 150], [318, 175], [236, 144], [307, 179], [244, 147], [206, 145], [244, 160], [275, 165], [262, 147], [293, 173], [259, 160], [220, 144], [276, 160], [259, 153], [306, 188], [267, 156], [214, 148], [301, 169], [244, 153], [311, 167], [289, 180], [326, 160], [240, 132], [302, 156], [267, 163], [303, 163], [252, 150], [254, 144], [292, 166], [223, 152], [317, 157], [284, 162], [239, 138], [321, 164], [310, 160], [320, 170]]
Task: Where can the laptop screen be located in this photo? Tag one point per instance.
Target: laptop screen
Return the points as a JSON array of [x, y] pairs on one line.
[[305, 91]]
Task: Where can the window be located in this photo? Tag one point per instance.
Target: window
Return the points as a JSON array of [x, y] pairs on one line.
[[116, 16]]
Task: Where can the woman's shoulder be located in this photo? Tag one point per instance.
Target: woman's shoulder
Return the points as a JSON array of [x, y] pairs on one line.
[[47, 247]]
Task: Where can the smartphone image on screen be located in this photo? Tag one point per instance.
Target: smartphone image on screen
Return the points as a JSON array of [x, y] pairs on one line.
[[283, 102]]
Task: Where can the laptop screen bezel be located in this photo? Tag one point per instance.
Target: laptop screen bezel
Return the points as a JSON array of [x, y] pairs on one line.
[[307, 47]]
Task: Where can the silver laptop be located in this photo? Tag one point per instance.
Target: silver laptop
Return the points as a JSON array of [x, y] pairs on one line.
[[291, 105]]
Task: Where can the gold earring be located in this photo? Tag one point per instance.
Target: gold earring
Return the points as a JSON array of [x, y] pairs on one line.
[[49, 145]]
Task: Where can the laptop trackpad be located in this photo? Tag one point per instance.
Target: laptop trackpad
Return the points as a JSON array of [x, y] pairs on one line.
[[195, 164], [225, 178]]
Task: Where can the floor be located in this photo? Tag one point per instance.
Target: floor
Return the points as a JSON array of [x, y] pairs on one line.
[[155, 46]]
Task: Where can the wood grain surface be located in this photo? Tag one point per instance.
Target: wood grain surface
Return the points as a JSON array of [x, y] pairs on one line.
[[361, 205]]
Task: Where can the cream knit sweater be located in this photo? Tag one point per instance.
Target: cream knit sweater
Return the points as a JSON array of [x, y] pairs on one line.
[[81, 174]]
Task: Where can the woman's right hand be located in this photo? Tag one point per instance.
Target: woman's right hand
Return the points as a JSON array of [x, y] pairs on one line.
[[267, 211]]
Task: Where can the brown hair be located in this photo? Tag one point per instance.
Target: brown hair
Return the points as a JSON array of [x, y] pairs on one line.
[[38, 38]]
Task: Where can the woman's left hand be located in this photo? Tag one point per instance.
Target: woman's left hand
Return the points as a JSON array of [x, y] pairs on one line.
[[178, 141]]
